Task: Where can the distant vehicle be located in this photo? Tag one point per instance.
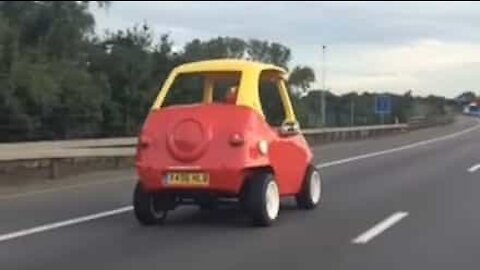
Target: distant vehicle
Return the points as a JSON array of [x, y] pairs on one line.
[[222, 130], [472, 109]]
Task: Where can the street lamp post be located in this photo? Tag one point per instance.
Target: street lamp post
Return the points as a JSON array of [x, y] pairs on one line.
[[324, 89], [352, 110]]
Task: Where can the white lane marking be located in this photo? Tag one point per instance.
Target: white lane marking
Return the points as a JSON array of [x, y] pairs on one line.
[[379, 228], [474, 168], [56, 225], [397, 149]]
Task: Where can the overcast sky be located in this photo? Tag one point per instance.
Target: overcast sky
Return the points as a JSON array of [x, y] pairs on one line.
[[432, 48]]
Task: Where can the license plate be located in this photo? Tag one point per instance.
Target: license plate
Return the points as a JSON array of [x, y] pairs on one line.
[[187, 179]]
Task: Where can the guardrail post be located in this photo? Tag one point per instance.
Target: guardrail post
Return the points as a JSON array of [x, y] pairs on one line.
[[53, 170], [116, 161]]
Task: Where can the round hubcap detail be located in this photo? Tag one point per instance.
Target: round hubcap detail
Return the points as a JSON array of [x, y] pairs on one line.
[[315, 187], [272, 200]]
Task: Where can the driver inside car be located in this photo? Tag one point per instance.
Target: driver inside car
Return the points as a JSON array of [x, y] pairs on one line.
[[231, 96]]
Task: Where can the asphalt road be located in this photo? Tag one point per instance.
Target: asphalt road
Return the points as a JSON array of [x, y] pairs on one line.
[[408, 201]]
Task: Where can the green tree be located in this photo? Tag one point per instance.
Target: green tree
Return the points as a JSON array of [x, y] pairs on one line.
[[42, 66], [220, 47], [273, 53], [466, 97], [132, 67], [302, 77]]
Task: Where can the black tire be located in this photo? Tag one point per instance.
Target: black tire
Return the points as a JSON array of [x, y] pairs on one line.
[[255, 199], [307, 198], [146, 207]]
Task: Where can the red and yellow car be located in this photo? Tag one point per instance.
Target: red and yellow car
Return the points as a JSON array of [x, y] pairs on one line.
[[223, 129]]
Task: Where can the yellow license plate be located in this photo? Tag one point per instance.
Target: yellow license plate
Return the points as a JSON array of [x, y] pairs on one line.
[[187, 179]]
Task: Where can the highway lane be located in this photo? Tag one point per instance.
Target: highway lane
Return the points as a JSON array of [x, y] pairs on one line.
[[430, 182], [441, 230]]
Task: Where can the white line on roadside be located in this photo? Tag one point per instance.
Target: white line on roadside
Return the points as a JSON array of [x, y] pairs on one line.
[[474, 168], [379, 228], [396, 149], [56, 225], [74, 221]]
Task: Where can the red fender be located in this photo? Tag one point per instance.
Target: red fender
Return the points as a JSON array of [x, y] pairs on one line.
[[289, 159]]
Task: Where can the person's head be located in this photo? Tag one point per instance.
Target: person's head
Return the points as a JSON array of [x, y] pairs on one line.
[[232, 95]]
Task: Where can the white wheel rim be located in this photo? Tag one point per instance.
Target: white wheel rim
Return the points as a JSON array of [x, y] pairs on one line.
[[272, 200], [315, 187]]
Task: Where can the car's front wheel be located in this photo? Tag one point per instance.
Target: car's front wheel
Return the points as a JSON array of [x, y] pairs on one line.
[[262, 199], [309, 196], [148, 207]]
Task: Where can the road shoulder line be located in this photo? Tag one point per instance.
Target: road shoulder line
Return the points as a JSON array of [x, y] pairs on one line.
[[397, 149], [56, 225]]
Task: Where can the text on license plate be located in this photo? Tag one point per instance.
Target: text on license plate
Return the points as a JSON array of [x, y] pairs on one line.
[[187, 179]]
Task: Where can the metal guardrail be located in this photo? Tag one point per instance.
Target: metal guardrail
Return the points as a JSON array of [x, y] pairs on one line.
[[118, 148], [85, 143], [353, 129], [50, 153], [67, 153], [423, 122], [319, 135]]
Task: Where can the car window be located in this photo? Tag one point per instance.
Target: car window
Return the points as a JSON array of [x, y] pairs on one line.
[[271, 101], [188, 88]]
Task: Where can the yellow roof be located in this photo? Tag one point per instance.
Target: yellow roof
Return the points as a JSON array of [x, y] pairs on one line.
[[248, 93], [226, 65]]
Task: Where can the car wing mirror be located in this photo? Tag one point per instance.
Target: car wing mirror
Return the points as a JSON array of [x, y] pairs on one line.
[[289, 128]]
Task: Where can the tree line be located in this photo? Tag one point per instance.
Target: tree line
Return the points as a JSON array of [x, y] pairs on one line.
[[61, 80]]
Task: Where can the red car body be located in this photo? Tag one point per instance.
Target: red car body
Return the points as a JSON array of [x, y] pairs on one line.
[[222, 140]]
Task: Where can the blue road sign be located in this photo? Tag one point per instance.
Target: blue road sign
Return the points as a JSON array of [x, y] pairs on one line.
[[383, 104]]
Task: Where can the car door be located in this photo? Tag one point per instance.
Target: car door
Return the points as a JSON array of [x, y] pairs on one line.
[[288, 152]]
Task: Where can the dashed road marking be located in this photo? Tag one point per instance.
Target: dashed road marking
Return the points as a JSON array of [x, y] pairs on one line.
[[379, 228], [474, 168]]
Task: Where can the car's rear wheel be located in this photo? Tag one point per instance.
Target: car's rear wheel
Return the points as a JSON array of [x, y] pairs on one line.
[[311, 192], [149, 208], [262, 199]]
